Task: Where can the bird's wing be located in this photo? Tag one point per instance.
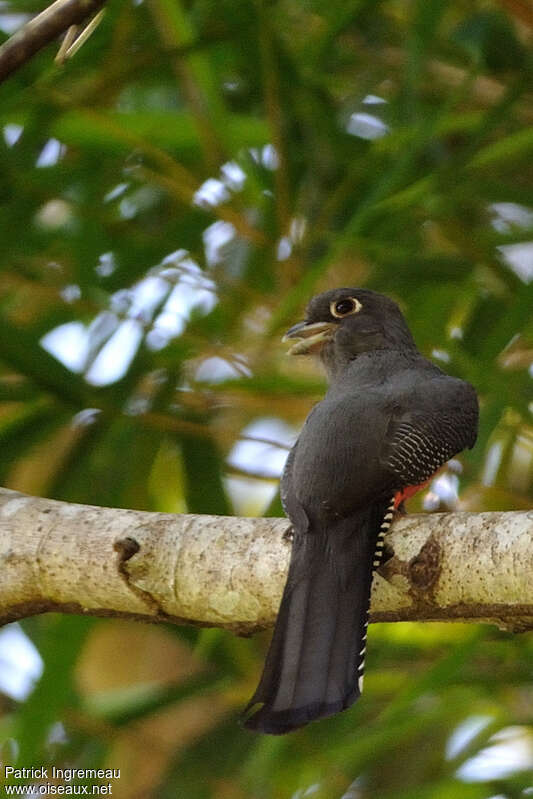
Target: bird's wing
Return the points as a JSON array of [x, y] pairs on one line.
[[419, 442]]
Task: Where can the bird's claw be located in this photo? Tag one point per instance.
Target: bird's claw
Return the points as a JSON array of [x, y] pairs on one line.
[[288, 535], [400, 511]]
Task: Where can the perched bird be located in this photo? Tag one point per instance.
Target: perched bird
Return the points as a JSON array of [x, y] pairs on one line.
[[388, 422]]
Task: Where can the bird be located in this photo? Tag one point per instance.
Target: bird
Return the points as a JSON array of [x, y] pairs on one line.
[[389, 421]]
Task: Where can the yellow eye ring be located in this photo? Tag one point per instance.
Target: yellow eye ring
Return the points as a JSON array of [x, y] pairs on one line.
[[345, 307]]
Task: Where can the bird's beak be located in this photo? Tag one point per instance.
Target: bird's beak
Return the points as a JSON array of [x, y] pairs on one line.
[[311, 337]]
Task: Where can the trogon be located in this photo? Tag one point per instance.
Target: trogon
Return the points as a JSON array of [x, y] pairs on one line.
[[389, 421]]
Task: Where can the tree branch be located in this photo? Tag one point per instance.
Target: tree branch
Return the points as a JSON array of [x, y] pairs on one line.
[[229, 572], [43, 29]]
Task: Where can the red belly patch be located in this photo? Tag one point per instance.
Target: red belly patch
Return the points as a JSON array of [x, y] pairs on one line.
[[407, 492]]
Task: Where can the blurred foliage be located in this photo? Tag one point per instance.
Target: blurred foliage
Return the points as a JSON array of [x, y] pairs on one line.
[[170, 198]]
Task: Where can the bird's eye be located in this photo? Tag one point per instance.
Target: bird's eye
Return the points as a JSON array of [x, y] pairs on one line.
[[345, 307]]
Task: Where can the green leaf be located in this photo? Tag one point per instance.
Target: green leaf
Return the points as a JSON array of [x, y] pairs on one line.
[[202, 467], [60, 647], [510, 148], [21, 351], [174, 131], [121, 707]]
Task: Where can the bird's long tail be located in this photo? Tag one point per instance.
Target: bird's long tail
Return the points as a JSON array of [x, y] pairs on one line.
[[314, 667]]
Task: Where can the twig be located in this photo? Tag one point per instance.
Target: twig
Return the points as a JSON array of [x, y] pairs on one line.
[[43, 29]]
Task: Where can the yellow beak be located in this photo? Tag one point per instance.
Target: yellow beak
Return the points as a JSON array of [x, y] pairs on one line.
[[311, 337]]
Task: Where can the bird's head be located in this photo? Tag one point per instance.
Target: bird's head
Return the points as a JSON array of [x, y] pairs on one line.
[[341, 324]]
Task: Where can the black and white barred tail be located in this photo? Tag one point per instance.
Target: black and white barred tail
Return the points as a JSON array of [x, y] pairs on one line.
[[376, 563]]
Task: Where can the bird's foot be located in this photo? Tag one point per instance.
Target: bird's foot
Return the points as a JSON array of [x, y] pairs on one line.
[[288, 535], [400, 511]]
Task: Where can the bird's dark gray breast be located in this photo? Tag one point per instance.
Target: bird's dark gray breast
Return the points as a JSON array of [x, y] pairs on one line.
[[335, 465]]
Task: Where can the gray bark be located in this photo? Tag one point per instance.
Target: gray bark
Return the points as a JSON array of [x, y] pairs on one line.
[[229, 572]]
